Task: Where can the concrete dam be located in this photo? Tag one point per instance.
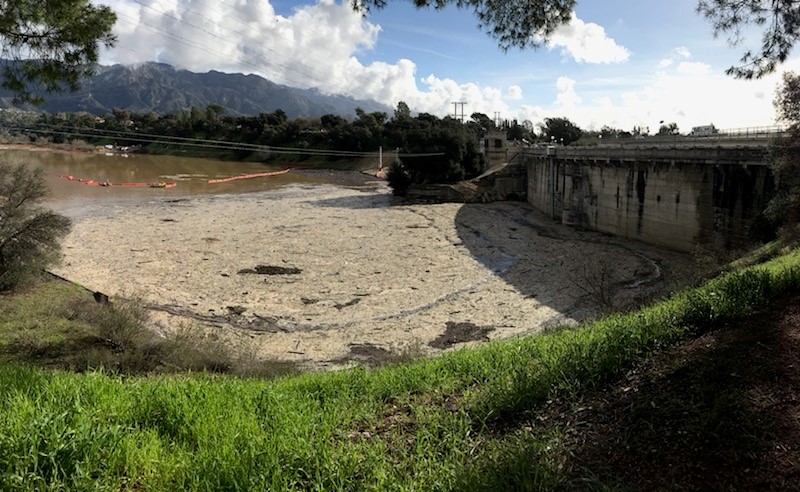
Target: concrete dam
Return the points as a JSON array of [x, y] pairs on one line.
[[678, 197], [677, 194]]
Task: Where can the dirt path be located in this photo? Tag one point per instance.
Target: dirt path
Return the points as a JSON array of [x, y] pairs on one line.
[[309, 272]]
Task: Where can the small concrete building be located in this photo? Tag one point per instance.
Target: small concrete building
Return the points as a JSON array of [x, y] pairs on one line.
[[495, 147]]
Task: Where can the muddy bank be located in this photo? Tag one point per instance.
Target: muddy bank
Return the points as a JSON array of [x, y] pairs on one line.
[[346, 268], [340, 177]]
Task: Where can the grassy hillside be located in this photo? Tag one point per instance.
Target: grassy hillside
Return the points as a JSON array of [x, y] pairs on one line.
[[463, 421]]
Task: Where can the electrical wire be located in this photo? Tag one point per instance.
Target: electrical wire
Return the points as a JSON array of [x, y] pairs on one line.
[[236, 12], [186, 144], [208, 143], [210, 33], [218, 143], [192, 44]]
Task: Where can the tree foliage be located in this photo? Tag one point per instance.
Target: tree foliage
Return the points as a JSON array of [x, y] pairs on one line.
[[517, 23], [515, 131], [29, 234], [787, 99], [436, 150], [779, 21], [669, 129], [398, 179], [609, 132], [55, 42], [441, 150], [446, 150], [784, 208], [560, 130], [483, 121]]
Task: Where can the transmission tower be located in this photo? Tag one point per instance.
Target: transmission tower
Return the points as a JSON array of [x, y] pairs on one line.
[[455, 110]]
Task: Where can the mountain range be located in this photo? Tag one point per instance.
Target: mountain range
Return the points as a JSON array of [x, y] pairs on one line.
[[163, 89]]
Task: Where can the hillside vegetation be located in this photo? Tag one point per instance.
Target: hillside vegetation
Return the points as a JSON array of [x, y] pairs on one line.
[[465, 421]]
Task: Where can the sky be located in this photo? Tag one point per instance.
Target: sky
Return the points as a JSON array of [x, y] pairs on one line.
[[621, 63]]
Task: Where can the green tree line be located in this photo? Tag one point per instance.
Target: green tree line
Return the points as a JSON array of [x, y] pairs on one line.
[[431, 149]]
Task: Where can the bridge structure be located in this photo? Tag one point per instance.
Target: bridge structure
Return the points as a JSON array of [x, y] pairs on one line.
[[677, 192]]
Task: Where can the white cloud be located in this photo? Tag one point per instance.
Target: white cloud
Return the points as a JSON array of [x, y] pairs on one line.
[[316, 46], [683, 52], [514, 93], [665, 62], [440, 94], [587, 42], [309, 48], [530, 113], [693, 96], [567, 97], [604, 102], [678, 53], [693, 68], [319, 46]]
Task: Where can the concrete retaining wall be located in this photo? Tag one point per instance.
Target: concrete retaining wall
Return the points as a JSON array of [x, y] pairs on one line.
[[674, 204]]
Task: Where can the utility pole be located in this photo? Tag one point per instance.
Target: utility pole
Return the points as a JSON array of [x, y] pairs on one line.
[[455, 110]]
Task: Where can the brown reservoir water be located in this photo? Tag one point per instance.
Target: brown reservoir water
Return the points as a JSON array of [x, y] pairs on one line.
[[191, 175]]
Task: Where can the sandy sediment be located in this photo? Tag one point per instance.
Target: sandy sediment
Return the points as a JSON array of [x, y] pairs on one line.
[[345, 268]]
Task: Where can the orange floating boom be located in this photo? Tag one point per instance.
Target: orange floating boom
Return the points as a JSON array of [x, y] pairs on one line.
[[248, 176], [91, 182]]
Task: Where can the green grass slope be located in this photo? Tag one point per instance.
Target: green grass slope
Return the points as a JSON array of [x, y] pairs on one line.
[[435, 424]]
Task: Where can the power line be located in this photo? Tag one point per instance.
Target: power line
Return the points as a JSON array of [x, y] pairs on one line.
[[171, 36], [295, 32], [187, 144], [216, 144], [193, 44], [221, 143], [207, 143], [166, 34], [243, 48]]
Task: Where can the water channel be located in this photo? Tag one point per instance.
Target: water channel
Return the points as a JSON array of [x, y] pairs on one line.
[[191, 176]]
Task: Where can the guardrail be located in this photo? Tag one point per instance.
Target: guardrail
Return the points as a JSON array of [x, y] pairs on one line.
[[754, 131], [619, 153]]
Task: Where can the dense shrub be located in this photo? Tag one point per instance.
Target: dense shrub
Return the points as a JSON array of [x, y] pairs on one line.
[[398, 179], [436, 150], [783, 211], [29, 234]]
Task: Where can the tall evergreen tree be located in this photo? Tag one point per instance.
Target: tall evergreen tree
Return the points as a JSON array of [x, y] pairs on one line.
[[50, 45], [784, 209]]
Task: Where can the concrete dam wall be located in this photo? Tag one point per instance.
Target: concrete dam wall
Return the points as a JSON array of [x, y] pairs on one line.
[[675, 198]]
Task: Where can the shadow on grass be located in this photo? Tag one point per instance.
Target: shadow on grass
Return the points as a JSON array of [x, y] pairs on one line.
[[718, 412]]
